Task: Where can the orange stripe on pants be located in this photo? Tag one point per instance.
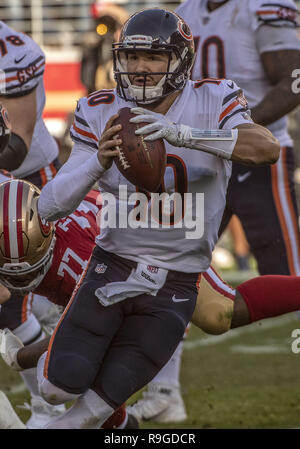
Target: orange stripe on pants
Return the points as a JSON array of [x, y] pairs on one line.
[[280, 211], [24, 308], [291, 208], [62, 317]]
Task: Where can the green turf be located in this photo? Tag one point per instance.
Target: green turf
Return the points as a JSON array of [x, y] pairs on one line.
[[223, 386]]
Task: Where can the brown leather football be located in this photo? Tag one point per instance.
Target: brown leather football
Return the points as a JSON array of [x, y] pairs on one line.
[[142, 163]]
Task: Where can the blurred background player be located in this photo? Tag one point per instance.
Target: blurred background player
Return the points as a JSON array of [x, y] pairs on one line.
[[56, 257], [30, 153], [255, 43], [262, 63], [96, 63]]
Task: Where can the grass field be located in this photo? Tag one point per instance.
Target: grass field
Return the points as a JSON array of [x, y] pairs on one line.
[[247, 378]]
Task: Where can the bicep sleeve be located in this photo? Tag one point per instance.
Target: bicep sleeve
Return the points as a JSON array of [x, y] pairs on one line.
[[20, 81], [270, 38]]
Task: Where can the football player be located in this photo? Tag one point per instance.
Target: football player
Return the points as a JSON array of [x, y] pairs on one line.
[[49, 260], [139, 290], [29, 152], [255, 43]]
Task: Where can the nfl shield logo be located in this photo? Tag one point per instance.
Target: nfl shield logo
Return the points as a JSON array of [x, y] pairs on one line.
[[100, 268], [152, 269]]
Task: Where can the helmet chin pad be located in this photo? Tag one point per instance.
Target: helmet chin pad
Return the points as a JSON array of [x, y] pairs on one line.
[[146, 94]]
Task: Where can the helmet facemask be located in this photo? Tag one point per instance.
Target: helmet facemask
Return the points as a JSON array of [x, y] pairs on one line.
[[172, 79], [22, 278]]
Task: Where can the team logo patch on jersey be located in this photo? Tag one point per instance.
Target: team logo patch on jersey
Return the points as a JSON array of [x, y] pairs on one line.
[[101, 268], [287, 13], [26, 74], [242, 100], [152, 269]]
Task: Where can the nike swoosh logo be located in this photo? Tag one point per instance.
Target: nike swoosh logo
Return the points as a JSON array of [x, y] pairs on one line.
[[174, 299], [242, 178], [19, 60], [231, 85]]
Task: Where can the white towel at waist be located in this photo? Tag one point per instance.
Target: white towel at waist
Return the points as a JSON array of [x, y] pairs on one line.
[[143, 279]]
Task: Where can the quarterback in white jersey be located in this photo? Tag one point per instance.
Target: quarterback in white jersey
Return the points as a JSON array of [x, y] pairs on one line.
[[200, 105], [138, 293], [22, 92]]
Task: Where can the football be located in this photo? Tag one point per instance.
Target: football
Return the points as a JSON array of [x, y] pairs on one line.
[[142, 163]]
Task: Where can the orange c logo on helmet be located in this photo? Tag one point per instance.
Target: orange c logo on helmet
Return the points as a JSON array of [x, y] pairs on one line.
[[185, 31]]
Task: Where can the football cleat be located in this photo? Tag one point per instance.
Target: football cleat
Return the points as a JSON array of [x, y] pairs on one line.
[[8, 417], [10, 345], [41, 412], [160, 403], [132, 422]]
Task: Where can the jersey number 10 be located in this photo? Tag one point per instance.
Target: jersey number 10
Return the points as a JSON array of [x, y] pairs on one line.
[[218, 45]]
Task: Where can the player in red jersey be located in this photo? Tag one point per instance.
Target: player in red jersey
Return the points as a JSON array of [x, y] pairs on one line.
[[46, 259]]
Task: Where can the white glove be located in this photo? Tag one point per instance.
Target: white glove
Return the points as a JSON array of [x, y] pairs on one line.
[[9, 347], [160, 127], [218, 142]]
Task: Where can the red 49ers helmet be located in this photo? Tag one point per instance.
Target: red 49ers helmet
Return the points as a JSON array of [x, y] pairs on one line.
[[26, 241]]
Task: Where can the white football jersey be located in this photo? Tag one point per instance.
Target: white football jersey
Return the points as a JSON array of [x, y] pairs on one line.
[[226, 44], [204, 105], [22, 65]]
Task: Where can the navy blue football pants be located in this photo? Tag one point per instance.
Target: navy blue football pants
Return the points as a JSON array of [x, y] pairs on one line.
[[117, 350]]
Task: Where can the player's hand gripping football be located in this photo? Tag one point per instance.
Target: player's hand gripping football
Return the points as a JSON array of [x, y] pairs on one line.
[[109, 143], [159, 127]]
